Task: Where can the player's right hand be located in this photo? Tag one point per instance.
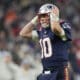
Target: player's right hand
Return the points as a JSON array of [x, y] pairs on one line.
[[34, 20]]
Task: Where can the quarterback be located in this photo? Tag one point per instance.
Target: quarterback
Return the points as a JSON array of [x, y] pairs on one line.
[[54, 36]]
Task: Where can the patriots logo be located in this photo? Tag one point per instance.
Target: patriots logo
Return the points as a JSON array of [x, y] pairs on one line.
[[49, 7]]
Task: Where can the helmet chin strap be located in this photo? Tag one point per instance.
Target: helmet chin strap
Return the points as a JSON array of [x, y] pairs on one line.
[[44, 25]]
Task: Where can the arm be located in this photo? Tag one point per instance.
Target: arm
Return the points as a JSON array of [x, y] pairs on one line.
[[55, 25], [27, 30], [56, 28]]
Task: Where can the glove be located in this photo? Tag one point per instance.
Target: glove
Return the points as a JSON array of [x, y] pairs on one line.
[[34, 20], [53, 17], [54, 14]]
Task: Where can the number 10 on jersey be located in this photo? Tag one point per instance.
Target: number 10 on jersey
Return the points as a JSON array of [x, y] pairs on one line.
[[46, 47]]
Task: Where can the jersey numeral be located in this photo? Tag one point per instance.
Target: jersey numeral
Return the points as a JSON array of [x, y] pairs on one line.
[[46, 47]]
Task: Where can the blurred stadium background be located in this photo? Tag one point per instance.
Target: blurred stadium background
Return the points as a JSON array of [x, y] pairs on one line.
[[20, 58]]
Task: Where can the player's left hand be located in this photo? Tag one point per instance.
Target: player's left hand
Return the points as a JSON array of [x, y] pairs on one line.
[[54, 15], [55, 11]]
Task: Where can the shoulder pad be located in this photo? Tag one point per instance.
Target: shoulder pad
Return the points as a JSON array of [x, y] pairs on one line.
[[65, 24]]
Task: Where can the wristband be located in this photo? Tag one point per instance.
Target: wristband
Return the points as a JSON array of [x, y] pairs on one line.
[[63, 36]]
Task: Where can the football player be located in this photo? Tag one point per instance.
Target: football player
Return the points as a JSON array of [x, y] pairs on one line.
[[54, 36]]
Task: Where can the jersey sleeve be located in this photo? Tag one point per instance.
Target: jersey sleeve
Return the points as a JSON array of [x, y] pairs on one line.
[[34, 35], [67, 29]]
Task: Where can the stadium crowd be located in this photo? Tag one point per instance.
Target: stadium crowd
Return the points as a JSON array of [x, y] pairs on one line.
[[20, 58]]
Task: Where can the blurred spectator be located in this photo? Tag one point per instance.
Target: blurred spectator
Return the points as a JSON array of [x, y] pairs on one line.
[[75, 59], [30, 72], [3, 45], [7, 66]]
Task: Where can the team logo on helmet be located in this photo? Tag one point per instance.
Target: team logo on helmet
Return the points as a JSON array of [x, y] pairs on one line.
[[46, 8]]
